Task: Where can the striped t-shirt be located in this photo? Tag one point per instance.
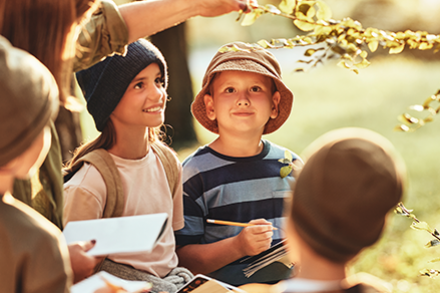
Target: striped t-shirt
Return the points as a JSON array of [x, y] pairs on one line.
[[240, 189]]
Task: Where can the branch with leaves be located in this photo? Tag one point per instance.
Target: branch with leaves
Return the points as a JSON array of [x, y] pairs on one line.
[[423, 226], [345, 40]]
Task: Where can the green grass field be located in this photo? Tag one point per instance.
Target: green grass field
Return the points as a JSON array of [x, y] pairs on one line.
[[330, 97]]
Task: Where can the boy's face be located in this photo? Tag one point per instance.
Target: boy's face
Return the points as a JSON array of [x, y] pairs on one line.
[[242, 102], [143, 103]]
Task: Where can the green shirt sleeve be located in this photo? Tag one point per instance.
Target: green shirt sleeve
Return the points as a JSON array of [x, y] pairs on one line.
[[104, 34]]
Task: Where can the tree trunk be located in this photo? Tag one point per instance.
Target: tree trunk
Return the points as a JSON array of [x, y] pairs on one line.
[[178, 118]]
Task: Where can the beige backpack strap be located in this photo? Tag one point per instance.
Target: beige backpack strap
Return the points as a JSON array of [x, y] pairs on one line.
[[169, 161], [105, 164]]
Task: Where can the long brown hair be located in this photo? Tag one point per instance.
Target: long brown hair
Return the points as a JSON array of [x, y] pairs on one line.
[[46, 29], [105, 140]]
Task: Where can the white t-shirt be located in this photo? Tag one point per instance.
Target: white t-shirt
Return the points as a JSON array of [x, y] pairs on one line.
[[146, 191]]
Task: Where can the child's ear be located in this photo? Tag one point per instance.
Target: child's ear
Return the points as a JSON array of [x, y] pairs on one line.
[[276, 97], [209, 106]]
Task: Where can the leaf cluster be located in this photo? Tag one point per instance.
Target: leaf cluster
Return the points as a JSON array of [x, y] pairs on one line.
[[344, 39], [430, 106], [423, 226]]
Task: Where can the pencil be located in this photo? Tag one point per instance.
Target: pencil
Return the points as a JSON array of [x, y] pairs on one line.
[[228, 223]]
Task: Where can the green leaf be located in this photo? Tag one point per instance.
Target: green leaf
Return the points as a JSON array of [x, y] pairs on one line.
[[304, 25], [251, 17], [287, 6], [285, 171], [422, 226], [324, 11]]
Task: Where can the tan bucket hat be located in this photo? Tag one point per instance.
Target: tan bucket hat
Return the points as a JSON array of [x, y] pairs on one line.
[[249, 59], [351, 179]]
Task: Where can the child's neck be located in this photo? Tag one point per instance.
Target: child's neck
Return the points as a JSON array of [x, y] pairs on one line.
[[315, 267], [237, 146], [130, 144], [6, 183]]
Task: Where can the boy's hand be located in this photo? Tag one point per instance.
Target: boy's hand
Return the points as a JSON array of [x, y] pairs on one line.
[[255, 239]]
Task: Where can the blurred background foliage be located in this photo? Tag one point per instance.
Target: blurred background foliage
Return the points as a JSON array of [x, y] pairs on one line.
[[329, 97]]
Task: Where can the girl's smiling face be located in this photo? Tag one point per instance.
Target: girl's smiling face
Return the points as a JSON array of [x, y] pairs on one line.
[[143, 103], [242, 102]]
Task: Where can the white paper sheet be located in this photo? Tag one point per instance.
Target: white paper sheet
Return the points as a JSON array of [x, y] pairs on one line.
[[121, 235], [98, 281]]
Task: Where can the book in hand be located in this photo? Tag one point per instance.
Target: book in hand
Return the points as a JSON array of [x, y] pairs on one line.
[[104, 279], [203, 284], [123, 235], [277, 253]]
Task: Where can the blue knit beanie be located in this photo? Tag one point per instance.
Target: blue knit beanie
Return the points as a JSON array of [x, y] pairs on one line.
[[105, 83]]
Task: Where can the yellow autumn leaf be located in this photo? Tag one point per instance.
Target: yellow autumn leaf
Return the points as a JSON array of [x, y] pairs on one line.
[[324, 11], [287, 6], [373, 46], [251, 17], [304, 25], [398, 49]]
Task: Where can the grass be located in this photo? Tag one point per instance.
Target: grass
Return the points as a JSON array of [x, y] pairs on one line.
[[330, 97]]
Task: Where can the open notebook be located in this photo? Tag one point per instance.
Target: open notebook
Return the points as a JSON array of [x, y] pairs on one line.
[[123, 235], [203, 284], [275, 253]]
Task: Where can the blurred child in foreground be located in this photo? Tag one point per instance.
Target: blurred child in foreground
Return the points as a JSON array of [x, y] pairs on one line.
[[341, 199]]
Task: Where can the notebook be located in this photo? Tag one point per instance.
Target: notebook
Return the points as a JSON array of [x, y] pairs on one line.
[[123, 235], [204, 284], [104, 279]]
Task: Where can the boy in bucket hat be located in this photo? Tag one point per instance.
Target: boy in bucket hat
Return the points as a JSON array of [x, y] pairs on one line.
[[338, 211], [237, 176]]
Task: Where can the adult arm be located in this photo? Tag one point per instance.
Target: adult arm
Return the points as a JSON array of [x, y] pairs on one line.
[[162, 14], [111, 28], [206, 258]]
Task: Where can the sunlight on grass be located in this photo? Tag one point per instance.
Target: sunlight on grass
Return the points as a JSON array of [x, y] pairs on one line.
[[329, 97]]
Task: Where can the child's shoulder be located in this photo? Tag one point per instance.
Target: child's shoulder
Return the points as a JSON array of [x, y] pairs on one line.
[[277, 151], [199, 155]]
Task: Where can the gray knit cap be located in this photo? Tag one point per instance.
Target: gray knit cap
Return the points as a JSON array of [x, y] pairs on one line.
[[105, 83], [28, 100], [351, 180]]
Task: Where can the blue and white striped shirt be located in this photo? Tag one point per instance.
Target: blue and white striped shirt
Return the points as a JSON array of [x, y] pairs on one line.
[[241, 189]]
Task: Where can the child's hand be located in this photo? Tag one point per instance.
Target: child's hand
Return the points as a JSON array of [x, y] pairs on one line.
[[82, 263], [255, 239]]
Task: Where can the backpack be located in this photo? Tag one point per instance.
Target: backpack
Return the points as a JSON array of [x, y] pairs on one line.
[[105, 165]]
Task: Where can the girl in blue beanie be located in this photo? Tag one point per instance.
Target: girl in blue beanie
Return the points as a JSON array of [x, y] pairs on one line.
[[126, 170]]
